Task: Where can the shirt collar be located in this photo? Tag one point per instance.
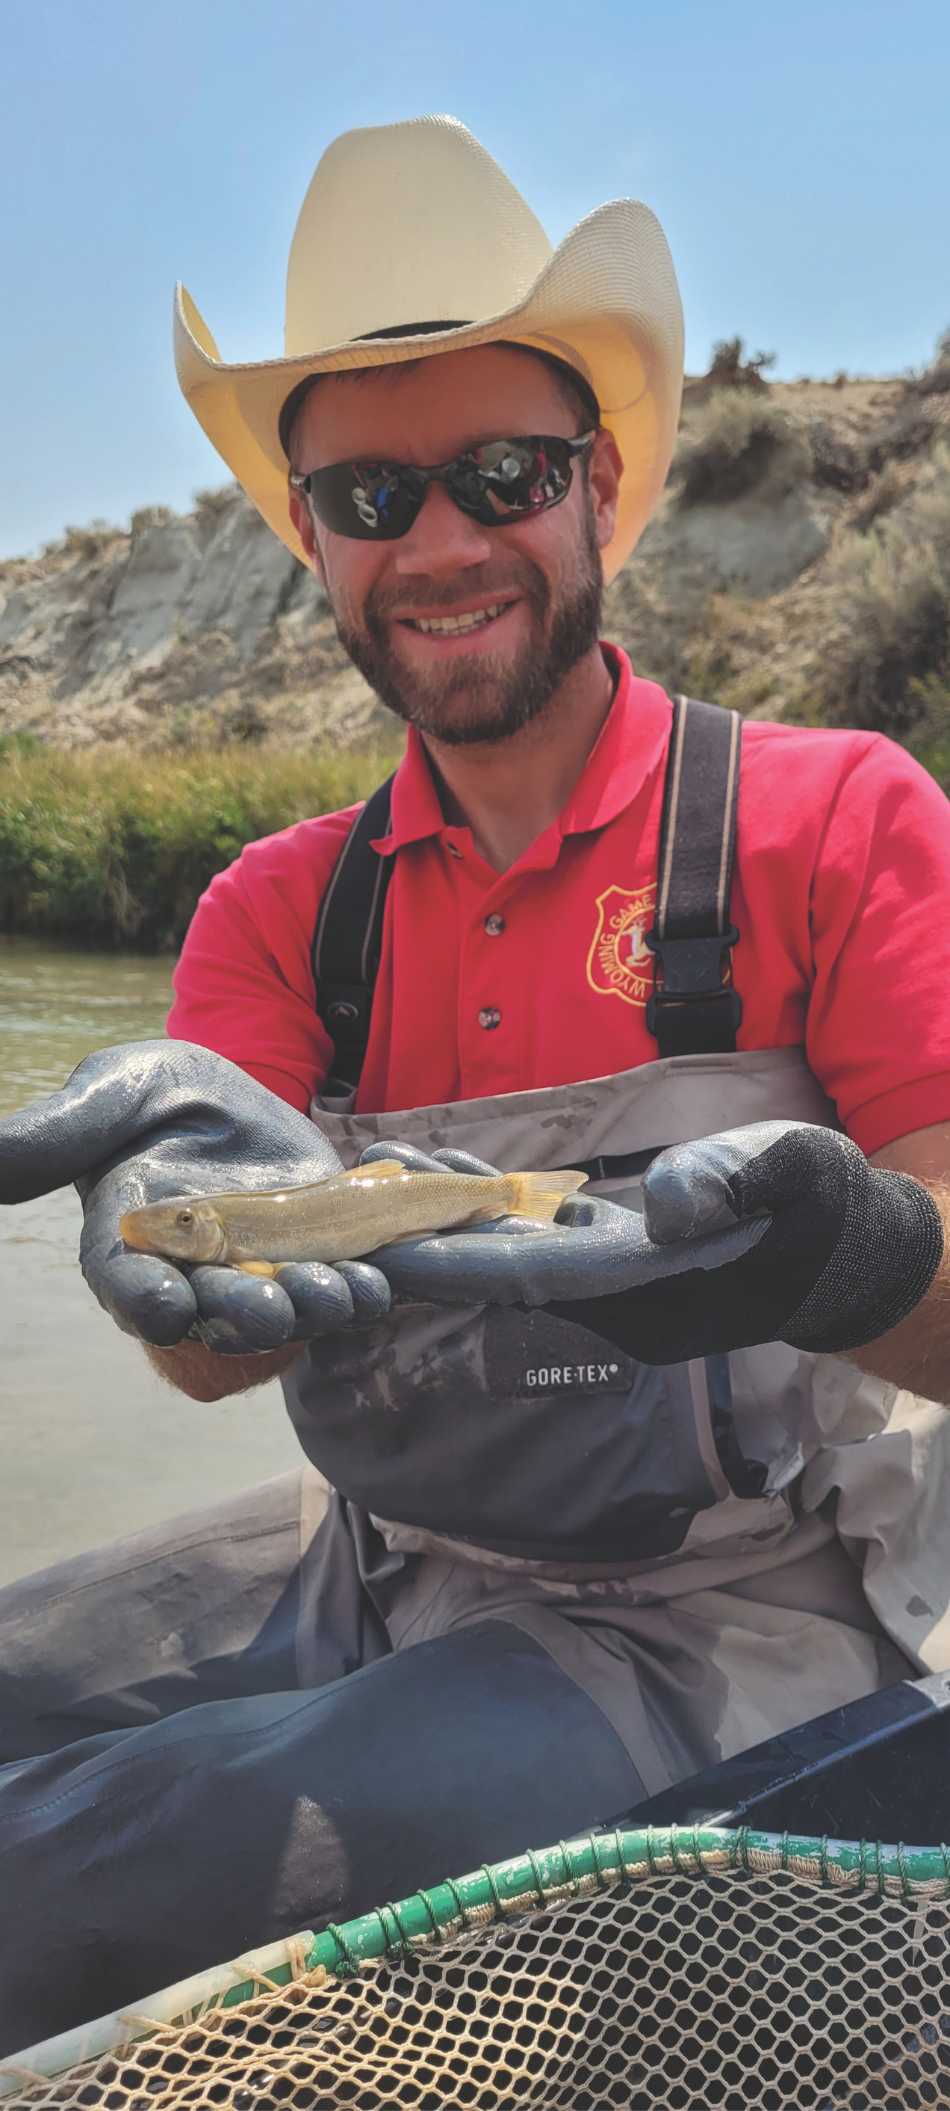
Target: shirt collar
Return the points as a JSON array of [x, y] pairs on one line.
[[630, 746]]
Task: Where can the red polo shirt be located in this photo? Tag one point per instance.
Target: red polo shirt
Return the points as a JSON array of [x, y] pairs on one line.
[[492, 983]]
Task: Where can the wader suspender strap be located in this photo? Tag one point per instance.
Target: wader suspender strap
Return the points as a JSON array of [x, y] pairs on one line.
[[348, 939], [693, 1010]]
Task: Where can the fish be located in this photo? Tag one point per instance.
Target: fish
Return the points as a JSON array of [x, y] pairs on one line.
[[340, 1218]]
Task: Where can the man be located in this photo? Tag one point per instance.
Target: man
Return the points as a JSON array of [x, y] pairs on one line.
[[606, 1502]]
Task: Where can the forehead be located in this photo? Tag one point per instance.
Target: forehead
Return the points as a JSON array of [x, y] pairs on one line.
[[430, 411]]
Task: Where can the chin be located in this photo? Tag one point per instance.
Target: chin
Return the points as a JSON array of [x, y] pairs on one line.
[[461, 731]]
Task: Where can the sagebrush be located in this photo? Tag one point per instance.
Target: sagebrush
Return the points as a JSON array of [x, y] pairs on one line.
[[886, 665], [934, 380], [729, 366], [739, 440]]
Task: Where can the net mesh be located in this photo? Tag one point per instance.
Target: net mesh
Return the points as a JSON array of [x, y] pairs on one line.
[[796, 1982]]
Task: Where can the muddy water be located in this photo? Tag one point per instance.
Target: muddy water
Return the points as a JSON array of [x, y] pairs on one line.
[[92, 1444]]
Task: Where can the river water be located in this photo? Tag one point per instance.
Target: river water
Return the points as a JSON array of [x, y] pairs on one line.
[[92, 1443]]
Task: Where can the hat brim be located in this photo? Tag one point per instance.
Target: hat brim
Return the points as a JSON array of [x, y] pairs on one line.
[[606, 302]]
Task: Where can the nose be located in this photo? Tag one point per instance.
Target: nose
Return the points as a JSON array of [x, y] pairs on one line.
[[442, 538]]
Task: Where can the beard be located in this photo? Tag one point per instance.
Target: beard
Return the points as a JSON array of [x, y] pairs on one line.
[[494, 695]]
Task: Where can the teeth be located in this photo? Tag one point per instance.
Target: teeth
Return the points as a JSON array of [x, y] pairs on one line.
[[447, 625]]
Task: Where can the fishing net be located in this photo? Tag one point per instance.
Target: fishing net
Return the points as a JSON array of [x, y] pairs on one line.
[[682, 1968]]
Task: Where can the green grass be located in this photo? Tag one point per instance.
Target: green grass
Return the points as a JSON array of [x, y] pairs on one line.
[[112, 848]]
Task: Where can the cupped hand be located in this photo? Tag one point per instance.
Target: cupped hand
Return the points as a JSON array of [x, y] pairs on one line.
[[592, 1248], [774, 1231], [151, 1119]]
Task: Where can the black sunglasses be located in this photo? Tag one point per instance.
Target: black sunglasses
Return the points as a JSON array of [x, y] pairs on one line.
[[501, 481]]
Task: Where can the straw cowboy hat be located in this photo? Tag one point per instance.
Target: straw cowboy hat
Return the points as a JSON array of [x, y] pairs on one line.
[[412, 224]]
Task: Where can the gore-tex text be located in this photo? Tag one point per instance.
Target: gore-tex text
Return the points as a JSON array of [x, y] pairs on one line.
[[548, 1376]]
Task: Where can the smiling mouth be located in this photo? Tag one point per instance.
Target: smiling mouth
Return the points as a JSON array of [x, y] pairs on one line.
[[457, 626]]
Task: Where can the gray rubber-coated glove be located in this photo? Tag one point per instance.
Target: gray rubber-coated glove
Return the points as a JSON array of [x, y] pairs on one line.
[[593, 1248], [779, 1231], [149, 1119]]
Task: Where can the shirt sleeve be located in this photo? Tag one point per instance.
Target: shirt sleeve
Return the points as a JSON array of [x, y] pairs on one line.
[[244, 982], [878, 1030]]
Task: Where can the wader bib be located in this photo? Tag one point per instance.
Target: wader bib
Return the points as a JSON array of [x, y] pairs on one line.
[[726, 1526]]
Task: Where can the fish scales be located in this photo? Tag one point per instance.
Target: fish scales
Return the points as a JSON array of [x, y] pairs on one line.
[[339, 1218]]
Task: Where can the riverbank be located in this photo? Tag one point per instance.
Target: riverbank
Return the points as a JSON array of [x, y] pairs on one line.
[[171, 692], [110, 847], [106, 847]]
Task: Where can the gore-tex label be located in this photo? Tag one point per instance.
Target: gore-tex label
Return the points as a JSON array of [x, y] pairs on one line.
[[539, 1352], [547, 1377]]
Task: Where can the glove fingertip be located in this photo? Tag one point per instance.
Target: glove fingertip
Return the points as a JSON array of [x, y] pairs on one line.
[[459, 1161], [368, 1289], [576, 1212], [683, 1199], [251, 1312], [407, 1154], [146, 1297], [669, 1205]]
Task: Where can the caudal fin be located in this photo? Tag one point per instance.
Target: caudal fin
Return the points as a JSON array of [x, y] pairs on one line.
[[541, 1194]]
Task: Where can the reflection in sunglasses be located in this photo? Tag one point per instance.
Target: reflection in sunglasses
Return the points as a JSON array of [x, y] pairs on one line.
[[364, 506], [498, 481]]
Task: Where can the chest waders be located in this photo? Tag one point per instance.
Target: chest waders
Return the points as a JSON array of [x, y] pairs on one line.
[[550, 1581], [518, 1449]]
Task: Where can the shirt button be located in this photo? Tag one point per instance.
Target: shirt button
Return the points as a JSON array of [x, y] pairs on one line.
[[494, 925], [489, 1017]]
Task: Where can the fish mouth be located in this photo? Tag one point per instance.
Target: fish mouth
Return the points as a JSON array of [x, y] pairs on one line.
[[134, 1233], [156, 1230]]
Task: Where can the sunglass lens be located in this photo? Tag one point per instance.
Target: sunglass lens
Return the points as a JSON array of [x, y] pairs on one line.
[[507, 479], [368, 501], [373, 501]]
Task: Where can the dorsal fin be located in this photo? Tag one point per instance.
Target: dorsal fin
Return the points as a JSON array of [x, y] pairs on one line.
[[375, 1167]]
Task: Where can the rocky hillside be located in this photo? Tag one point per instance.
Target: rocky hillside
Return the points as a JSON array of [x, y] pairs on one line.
[[799, 564]]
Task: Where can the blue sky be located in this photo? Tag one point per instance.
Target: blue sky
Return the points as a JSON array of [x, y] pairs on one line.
[[797, 158]]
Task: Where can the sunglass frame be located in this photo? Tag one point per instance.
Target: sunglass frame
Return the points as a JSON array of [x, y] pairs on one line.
[[413, 482]]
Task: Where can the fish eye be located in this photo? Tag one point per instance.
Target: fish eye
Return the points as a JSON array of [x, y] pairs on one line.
[[185, 1216]]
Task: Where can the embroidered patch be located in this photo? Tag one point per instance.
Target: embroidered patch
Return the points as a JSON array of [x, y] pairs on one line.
[[620, 963]]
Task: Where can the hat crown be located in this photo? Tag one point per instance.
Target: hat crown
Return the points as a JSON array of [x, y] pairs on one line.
[[407, 223]]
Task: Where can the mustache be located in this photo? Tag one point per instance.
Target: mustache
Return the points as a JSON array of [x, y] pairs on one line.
[[388, 603]]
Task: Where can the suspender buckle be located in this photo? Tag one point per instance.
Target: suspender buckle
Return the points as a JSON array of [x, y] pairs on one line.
[[693, 1010], [346, 1014]]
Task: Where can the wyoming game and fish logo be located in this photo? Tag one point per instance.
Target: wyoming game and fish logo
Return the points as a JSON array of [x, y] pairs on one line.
[[620, 963]]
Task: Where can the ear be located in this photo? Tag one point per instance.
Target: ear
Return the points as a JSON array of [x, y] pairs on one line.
[[604, 474], [302, 519]]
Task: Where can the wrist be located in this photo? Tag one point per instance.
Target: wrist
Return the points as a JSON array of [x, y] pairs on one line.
[[204, 1375]]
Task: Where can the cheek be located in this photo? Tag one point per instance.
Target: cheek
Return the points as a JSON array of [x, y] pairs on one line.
[[546, 545], [350, 571], [556, 542]]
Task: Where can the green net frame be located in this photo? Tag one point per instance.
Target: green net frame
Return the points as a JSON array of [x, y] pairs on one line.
[[681, 1967]]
